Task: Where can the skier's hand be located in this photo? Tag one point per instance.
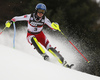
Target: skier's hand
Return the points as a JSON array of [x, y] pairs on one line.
[[55, 26], [8, 23]]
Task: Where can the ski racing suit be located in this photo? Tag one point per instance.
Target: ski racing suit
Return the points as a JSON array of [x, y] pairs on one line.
[[35, 35]]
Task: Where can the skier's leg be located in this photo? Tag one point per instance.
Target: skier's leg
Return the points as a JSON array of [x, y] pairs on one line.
[[56, 54], [45, 42], [59, 57], [39, 48], [37, 45]]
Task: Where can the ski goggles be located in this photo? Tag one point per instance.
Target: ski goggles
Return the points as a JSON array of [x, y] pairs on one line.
[[41, 11]]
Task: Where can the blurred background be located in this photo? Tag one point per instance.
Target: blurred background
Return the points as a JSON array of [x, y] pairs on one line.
[[78, 19]]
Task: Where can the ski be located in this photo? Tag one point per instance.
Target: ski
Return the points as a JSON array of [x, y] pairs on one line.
[[67, 65], [70, 66]]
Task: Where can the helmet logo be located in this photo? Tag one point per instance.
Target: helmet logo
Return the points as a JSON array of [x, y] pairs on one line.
[[43, 7]]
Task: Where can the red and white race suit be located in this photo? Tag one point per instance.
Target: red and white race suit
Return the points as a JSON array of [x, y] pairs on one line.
[[35, 28]]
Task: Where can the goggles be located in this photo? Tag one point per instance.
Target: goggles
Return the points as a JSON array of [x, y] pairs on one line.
[[41, 11]]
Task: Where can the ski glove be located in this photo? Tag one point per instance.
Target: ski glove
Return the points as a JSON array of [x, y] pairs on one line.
[[55, 26], [8, 23]]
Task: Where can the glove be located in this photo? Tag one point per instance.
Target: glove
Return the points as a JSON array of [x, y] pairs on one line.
[[8, 23], [55, 26]]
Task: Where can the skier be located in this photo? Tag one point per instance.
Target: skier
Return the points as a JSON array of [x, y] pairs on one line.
[[35, 35]]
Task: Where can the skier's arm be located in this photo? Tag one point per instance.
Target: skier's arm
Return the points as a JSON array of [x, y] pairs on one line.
[[17, 18], [54, 26], [48, 23], [21, 18]]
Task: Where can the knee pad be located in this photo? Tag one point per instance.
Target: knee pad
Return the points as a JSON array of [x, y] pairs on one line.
[[37, 45], [56, 54]]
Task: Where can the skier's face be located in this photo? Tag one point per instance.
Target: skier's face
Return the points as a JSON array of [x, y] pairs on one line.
[[40, 14]]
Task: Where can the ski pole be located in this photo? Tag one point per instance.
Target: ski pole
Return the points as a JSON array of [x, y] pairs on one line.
[[14, 34], [7, 25], [56, 26], [3, 30], [74, 46]]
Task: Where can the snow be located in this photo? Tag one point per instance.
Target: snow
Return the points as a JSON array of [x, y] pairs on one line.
[[17, 65], [24, 63], [21, 44]]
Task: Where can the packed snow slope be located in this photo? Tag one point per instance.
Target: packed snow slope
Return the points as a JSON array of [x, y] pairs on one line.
[[56, 40], [16, 65]]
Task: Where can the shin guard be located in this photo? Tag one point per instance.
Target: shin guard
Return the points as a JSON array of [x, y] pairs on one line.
[[37, 45], [57, 55]]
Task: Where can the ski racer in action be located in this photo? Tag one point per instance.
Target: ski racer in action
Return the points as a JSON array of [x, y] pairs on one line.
[[35, 35]]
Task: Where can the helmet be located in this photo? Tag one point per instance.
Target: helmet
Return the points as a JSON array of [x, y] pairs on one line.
[[40, 6]]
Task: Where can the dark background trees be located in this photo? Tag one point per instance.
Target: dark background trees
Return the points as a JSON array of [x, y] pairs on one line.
[[76, 17]]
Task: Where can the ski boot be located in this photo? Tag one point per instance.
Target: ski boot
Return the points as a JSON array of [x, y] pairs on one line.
[[45, 56], [67, 65]]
